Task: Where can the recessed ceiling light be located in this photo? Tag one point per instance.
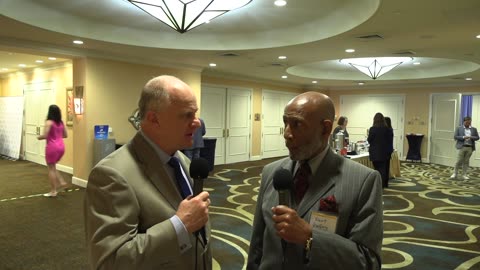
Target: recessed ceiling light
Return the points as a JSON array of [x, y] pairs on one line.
[[361, 83], [282, 57], [52, 58], [350, 50], [478, 36], [78, 42], [416, 63], [212, 64], [22, 65], [39, 61], [314, 81], [280, 3], [468, 79], [284, 76]]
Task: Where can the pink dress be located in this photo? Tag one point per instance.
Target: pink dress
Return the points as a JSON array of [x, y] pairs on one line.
[[55, 148]]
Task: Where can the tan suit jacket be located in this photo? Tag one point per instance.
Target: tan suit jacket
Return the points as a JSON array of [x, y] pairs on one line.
[[356, 243], [129, 200]]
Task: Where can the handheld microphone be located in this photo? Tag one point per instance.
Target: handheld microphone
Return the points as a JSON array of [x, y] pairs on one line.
[[283, 183], [198, 172]]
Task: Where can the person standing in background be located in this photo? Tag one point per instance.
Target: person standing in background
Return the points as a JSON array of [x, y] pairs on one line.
[[388, 121], [342, 126], [194, 151], [139, 209], [54, 132], [380, 139], [465, 135], [326, 186]]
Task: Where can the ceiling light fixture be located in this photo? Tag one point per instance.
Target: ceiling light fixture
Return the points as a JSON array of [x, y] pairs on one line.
[[79, 42], [478, 36], [375, 67], [184, 15], [282, 57], [280, 3], [284, 76], [52, 58], [468, 79], [212, 64], [350, 50], [314, 82]]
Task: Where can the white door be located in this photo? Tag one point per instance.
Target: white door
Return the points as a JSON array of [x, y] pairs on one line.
[[360, 111], [38, 97], [227, 116], [237, 142], [475, 159], [213, 114], [445, 113], [273, 105]]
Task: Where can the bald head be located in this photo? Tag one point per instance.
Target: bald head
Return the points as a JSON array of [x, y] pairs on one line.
[[308, 122], [160, 91], [314, 104]]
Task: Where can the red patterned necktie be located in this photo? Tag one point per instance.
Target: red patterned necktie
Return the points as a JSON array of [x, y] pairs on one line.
[[301, 181]]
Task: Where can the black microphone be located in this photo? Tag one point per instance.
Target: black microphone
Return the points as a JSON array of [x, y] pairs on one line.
[[283, 183], [198, 172]]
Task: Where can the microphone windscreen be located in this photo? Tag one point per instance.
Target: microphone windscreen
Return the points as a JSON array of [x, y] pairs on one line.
[[199, 168], [282, 179]]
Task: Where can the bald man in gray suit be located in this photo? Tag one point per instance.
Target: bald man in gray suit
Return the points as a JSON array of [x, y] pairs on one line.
[[337, 222]]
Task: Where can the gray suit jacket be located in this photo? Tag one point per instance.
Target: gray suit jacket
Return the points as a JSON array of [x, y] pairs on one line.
[[356, 244], [128, 203], [460, 132]]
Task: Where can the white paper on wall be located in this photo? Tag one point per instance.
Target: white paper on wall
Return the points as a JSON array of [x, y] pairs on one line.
[[11, 121]]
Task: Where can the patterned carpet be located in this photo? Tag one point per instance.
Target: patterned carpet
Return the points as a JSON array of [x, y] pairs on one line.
[[431, 221]]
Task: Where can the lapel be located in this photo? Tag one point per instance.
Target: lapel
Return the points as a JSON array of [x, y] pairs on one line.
[[154, 170], [323, 181]]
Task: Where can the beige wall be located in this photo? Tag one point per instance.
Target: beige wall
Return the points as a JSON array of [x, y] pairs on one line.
[[112, 89]]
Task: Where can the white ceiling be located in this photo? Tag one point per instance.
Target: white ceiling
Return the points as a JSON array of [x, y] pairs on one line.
[[313, 34]]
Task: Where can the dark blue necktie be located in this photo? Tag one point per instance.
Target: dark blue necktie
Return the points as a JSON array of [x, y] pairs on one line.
[[181, 181]]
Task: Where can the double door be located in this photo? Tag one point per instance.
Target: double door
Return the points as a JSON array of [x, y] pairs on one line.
[[226, 112]]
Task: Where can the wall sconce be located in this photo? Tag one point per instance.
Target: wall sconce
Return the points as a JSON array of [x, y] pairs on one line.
[[78, 100]]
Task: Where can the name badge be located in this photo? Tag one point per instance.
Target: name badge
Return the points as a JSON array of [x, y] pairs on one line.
[[323, 221]]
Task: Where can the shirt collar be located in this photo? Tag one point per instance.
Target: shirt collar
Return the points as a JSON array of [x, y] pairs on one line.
[[164, 157]]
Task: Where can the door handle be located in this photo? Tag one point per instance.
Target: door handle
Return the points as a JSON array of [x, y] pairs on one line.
[[38, 130]]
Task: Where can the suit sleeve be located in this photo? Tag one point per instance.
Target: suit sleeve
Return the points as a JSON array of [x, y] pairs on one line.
[[474, 136], [111, 223], [361, 247], [255, 252], [457, 135]]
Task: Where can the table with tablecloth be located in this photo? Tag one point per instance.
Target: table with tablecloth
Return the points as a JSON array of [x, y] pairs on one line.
[[394, 162]]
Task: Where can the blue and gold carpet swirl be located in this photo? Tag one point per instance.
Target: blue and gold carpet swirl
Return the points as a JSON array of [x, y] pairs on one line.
[[430, 221]]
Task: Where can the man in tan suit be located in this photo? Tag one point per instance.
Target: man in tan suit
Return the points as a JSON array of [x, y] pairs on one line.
[[136, 214]]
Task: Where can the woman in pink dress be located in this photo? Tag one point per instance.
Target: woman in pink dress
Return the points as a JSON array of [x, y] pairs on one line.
[[54, 132]]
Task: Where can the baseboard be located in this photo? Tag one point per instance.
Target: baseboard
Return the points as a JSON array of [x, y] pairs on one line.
[[79, 182], [255, 158], [64, 168]]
